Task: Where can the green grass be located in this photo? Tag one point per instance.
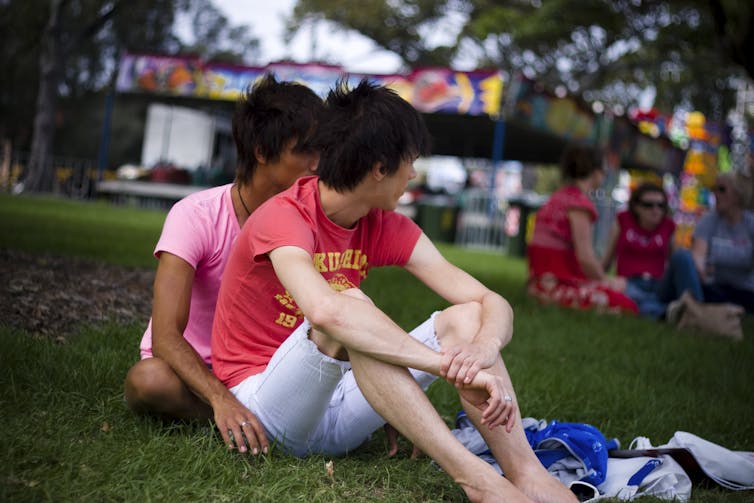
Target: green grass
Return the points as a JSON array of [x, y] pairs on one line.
[[99, 231], [67, 435]]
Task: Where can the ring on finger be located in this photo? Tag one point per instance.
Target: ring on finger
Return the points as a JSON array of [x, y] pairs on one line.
[[244, 423], [508, 398]]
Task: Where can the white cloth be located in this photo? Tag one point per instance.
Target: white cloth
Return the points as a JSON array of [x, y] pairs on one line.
[[631, 478], [731, 469]]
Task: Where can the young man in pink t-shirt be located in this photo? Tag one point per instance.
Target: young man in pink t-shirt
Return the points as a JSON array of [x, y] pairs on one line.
[[272, 127], [320, 365]]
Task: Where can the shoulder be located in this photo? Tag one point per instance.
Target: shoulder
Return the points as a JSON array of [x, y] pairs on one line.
[[301, 198], [573, 199], [624, 218], [707, 219], [208, 201]]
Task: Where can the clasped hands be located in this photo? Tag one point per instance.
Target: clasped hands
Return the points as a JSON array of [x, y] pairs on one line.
[[467, 367]]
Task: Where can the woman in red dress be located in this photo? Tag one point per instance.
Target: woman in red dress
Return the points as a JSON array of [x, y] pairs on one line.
[[563, 267]]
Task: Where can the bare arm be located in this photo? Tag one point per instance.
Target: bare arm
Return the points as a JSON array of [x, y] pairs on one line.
[[361, 327], [581, 230], [352, 322], [612, 239], [170, 312], [461, 363]]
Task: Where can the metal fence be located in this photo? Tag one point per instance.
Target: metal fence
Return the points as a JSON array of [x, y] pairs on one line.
[[487, 222], [481, 221], [73, 177]]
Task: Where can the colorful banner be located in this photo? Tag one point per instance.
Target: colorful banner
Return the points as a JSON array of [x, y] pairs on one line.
[[429, 90], [563, 117]]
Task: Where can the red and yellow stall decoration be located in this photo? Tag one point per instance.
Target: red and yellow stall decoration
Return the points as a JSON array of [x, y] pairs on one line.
[[702, 164], [427, 89]]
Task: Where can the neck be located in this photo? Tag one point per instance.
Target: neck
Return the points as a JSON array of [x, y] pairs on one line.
[[584, 185], [343, 209], [248, 197], [646, 226]]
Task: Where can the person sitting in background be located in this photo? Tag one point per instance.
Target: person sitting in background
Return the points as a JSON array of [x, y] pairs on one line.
[[272, 128], [641, 242], [563, 267], [723, 245]]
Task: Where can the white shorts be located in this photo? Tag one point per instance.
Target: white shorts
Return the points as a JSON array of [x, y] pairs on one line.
[[310, 403]]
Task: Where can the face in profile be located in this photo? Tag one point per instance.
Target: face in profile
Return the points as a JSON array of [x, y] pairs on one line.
[[393, 186], [725, 197]]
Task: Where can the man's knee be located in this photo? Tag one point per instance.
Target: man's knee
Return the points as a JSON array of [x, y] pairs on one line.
[[458, 324]]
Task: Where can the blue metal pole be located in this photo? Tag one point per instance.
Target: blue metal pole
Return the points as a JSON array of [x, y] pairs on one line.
[[105, 139], [497, 156]]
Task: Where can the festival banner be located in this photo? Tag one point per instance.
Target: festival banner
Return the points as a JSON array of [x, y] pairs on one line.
[[429, 90]]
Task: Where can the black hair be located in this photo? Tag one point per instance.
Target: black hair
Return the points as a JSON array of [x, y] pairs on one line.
[[579, 161], [365, 126], [268, 117], [638, 193]]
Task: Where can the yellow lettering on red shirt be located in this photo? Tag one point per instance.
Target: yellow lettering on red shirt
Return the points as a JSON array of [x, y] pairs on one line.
[[319, 262], [363, 266], [356, 259], [345, 260], [333, 261], [286, 320]]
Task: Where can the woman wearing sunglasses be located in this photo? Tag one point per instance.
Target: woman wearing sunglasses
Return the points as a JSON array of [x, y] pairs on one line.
[[641, 242], [723, 244]]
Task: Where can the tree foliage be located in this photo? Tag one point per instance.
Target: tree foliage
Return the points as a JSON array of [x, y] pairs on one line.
[[690, 51], [398, 26]]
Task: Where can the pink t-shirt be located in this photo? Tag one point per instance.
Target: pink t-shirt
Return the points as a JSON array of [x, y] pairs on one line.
[[639, 251], [551, 248], [200, 229], [255, 314]]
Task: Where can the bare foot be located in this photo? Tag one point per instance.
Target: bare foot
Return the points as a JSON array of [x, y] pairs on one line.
[[495, 490], [542, 487]]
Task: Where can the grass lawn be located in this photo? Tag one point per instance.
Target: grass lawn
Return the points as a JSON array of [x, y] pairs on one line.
[[67, 435]]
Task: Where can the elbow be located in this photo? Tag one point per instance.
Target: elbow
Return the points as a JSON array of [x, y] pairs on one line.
[[324, 316]]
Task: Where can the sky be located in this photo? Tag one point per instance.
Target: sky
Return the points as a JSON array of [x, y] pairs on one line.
[[265, 17]]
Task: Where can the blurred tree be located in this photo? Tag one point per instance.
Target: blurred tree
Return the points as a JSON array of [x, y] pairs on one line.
[[399, 26], [689, 51], [69, 49]]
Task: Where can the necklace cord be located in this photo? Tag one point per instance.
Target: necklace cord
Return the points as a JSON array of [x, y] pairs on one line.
[[240, 197]]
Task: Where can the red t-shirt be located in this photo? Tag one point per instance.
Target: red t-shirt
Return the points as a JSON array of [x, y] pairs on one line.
[[551, 248], [639, 251], [254, 312]]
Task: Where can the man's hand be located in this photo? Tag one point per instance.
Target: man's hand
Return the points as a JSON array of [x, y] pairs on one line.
[[238, 426], [488, 394], [460, 364]]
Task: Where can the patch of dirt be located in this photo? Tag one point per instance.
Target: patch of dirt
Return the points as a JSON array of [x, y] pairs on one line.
[[52, 296]]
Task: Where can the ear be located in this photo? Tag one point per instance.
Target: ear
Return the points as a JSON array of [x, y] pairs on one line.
[[378, 171], [261, 159]]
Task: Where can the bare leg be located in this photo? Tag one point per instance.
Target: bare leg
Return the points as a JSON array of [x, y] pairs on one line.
[[152, 387], [398, 399], [511, 450]]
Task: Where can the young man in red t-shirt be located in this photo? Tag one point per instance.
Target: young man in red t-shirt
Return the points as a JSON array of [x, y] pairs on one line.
[[318, 363]]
